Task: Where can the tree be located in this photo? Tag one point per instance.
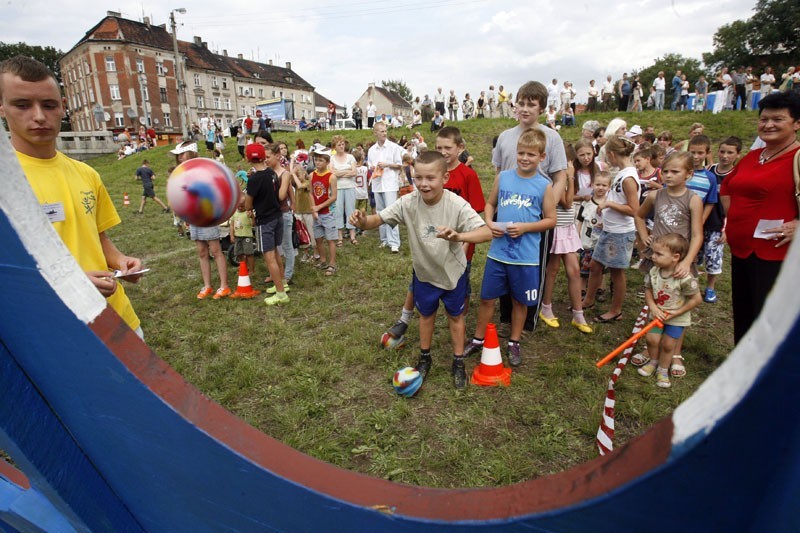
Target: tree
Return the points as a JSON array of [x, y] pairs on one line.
[[731, 46], [46, 54], [670, 64], [398, 87], [770, 37]]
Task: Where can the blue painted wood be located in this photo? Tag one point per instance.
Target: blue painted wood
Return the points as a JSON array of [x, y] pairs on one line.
[[111, 455]]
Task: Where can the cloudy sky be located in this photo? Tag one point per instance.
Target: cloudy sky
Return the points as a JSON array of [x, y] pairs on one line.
[[461, 44]]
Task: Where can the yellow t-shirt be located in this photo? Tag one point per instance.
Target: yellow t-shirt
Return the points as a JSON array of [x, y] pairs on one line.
[[87, 209]]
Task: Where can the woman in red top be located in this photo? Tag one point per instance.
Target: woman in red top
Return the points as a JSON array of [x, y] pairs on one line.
[[762, 212]]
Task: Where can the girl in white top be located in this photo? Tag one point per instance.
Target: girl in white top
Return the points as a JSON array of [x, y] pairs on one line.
[[615, 243], [343, 166]]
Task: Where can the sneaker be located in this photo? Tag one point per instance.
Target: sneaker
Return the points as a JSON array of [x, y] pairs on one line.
[[424, 365], [459, 373], [383, 244], [273, 290], [276, 299], [205, 293], [640, 293], [398, 330], [473, 348], [222, 293], [662, 378], [710, 296], [395, 250], [514, 357]]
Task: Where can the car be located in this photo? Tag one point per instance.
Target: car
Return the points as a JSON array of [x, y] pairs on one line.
[[345, 124]]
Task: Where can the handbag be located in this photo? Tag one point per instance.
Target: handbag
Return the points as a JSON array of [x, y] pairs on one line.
[[300, 236]]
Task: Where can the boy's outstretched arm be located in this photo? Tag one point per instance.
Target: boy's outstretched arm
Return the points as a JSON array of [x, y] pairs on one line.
[[365, 222], [476, 236]]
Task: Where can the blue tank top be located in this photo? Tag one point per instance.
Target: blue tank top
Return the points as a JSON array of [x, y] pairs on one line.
[[518, 200]]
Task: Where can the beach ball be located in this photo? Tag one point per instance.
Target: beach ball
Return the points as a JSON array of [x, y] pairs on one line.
[[203, 192], [392, 343], [407, 381]]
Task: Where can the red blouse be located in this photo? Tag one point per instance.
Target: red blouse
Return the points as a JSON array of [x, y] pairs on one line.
[[759, 192]]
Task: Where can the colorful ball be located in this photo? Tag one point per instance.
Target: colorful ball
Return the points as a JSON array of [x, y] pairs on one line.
[[407, 381], [203, 192], [392, 343]]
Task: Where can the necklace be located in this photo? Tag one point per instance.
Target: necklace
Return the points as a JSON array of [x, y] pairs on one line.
[[763, 159]]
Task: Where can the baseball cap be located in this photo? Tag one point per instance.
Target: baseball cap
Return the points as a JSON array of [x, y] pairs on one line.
[[184, 147], [634, 131], [321, 150], [254, 152]]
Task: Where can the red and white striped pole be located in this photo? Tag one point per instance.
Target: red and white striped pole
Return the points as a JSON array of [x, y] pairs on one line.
[[605, 433]]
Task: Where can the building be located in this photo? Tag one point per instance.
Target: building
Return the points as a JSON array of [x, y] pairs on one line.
[[386, 101], [321, 107], [122, 74]]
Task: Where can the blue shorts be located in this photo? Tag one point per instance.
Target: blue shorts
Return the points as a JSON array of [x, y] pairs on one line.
[[520, 281], [713, 252], [269, 235], [469, 283], [325, 227], [669, 330], [427, 296]]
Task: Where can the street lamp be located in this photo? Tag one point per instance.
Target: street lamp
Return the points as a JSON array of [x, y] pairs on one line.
[[183, 105]]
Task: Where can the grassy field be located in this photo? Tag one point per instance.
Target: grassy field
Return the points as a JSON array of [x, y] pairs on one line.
[[312, 373]]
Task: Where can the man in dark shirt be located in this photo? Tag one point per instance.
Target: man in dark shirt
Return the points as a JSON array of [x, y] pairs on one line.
[[146, 175]]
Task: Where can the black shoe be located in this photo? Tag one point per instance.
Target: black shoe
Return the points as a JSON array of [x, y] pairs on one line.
[[424, 365], [473, 348], [459, 374], [167, 210]]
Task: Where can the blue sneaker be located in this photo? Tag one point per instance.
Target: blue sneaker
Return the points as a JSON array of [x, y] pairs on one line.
[[710, 296]]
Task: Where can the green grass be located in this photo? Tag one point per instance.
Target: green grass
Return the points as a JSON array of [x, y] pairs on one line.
[[312, 374]]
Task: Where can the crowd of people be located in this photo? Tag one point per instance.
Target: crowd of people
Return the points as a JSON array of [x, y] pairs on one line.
[[589, 206]]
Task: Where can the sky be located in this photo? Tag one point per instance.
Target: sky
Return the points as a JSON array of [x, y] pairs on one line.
[[464, 45]]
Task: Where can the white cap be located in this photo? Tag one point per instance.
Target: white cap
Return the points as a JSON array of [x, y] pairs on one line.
[[634, 131]]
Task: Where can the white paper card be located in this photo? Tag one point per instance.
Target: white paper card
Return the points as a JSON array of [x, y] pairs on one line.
[[766, 224]]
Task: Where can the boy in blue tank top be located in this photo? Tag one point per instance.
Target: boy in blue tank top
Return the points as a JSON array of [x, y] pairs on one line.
[[525, 206]]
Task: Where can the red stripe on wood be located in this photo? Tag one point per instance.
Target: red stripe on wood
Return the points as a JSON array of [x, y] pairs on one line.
[[15, 476], [592, 479]]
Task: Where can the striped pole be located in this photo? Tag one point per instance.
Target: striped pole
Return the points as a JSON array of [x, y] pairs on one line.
[[605, 433]]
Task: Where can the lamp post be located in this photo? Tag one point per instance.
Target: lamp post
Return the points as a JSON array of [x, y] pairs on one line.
[[144, 94], [183, 105]]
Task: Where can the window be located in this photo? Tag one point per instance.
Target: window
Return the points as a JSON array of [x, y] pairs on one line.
[[140, 65], [217, 104], [91, 95], [241, 90], [119, 119], [224, 83], [200, 102], [261, 93], [162, 94], [146, 93], [167, 120], [197, 80], [115, 92], [86, 68], [149, 121], [160, 69], [228, 104], [111, 66], [243, 110], [274, 94], [214, 82]]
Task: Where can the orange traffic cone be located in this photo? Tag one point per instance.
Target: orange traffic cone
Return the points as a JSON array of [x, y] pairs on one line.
[[126, 201], [491, 372], [243, 288]]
